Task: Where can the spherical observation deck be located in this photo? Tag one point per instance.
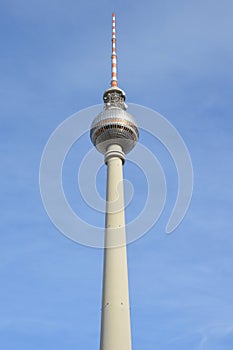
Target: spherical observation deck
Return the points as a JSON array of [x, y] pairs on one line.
[[114, 125]]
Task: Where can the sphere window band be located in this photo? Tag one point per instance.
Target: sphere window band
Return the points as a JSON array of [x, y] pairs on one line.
[[115, 126]]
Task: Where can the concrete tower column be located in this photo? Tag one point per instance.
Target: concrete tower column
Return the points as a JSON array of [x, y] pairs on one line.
[[115, 316]]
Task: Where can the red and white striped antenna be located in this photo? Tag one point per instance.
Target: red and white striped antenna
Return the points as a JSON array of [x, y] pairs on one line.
[[114, 55]]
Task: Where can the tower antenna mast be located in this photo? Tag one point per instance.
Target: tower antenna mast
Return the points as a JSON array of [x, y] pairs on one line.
[[114, 55]]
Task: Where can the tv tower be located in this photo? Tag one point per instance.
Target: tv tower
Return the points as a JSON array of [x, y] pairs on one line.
[[114, 133]]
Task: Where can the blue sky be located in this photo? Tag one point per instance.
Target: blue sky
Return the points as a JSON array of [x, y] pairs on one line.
[[174, 57]]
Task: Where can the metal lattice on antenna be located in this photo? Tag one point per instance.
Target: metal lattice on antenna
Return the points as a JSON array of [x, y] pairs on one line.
[[114, 55]]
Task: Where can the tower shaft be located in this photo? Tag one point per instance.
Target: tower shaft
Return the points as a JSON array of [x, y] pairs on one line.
[[115, 318]]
